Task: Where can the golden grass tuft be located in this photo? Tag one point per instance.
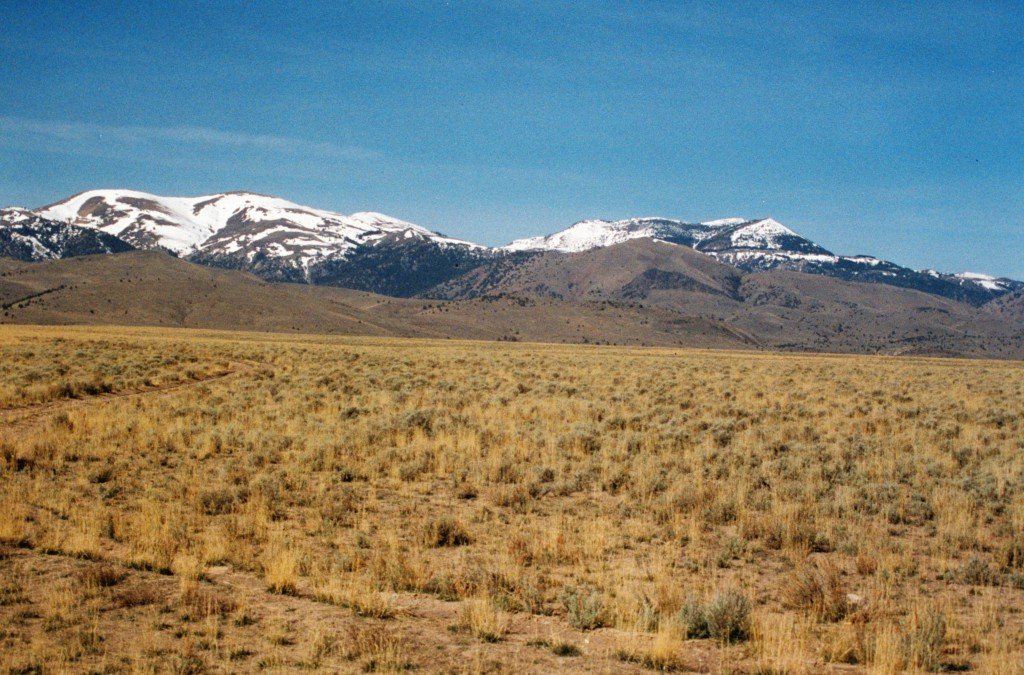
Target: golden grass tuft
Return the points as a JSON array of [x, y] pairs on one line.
[[483, 619]]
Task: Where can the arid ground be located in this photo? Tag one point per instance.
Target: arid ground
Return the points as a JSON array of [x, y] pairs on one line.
[[192, 501]]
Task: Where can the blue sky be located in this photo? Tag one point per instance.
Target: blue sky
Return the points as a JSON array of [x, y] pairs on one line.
[[895, 129]]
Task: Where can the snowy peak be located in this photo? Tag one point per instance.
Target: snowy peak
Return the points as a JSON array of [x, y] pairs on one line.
[[233, 223], [710, 236], [141, 219], [588, 234], [724, 222], [767, 233]]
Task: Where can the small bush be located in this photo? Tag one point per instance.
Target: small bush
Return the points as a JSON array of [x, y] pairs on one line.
[[200, 602], [281, 572], [565, 649], [380, 648], [583, 607], [693, 617], [661, 655], [216, 501], [976, 572], [728, 616], [137, 596], [557, 647], [1011, 556]]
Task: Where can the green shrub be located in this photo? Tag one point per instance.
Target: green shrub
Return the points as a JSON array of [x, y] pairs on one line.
[[728, 616], [583, 607], [693, 617]]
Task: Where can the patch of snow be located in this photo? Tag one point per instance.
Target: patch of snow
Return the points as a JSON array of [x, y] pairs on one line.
[[774, 255], [587, 234], [986, 281], [724, 222], [863, 260]]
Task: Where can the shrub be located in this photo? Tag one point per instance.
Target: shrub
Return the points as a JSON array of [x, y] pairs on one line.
[[217, 501], [976, 572], [728, 616], [565, 649], [380, 648], [693, 617], [200, 602], [1011, 556], [557, 647], [661, 655], [281, 571], [583, 607]]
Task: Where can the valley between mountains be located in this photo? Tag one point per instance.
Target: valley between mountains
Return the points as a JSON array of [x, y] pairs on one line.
[[244, 261]]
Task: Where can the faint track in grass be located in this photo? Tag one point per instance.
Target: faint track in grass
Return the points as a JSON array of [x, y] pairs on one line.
[[424, 622], [27, 414]]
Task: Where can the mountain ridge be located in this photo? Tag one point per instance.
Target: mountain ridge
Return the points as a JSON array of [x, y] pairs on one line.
[[280, 240]]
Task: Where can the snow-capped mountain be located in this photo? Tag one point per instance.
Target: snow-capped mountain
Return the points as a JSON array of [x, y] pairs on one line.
[[766, 244], [279, 240], [232, 222], [710, 236], [29, 237], [271, 237]]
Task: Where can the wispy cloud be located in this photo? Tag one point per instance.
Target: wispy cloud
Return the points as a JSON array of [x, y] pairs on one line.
[[83, 132]]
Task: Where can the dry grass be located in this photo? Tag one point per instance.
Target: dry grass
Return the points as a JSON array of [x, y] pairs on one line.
[[357, 504], [57, 368]]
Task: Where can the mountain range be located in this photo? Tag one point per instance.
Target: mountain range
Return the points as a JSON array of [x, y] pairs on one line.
[[281, 241], [733, 281]]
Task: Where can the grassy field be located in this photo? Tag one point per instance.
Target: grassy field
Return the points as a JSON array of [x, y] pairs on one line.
[[191, 501]]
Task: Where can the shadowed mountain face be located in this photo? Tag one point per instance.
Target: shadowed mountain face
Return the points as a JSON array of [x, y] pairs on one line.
[[28, 237], [282, 241]]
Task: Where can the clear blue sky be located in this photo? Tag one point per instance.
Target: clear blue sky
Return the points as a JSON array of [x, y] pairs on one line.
[[895, 129]]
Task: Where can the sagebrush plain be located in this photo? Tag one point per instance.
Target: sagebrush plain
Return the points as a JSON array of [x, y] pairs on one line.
[[188, 501]]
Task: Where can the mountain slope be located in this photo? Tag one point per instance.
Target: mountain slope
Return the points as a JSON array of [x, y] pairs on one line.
[[781, 309], [145, 288], [689, 300], [1009, 306], [29, 237], [622, 272], [711, 236], [766, 244]]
